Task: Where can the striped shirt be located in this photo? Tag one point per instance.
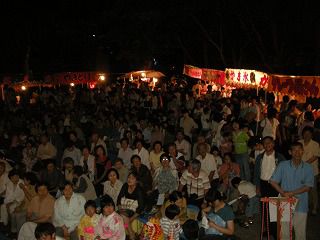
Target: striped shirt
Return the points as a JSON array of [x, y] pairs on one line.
[[196, 185], [170, 228]]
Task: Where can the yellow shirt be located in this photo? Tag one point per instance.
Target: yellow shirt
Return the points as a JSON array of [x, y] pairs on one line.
[[87, 225], [155, 159]]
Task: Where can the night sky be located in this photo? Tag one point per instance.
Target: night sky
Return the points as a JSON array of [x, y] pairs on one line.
[[119, 36]]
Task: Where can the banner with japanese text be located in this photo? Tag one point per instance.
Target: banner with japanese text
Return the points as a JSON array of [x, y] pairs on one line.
[[246, 78], [295, 85]]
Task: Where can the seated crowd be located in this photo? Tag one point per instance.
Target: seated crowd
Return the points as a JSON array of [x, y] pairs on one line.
[[172, 180]]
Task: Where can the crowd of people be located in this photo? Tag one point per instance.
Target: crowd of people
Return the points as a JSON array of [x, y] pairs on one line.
[[115, 162]]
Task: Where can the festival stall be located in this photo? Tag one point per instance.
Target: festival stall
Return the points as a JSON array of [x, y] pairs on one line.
[[76, 78], [150, 77], [228, 79], [297, 87]]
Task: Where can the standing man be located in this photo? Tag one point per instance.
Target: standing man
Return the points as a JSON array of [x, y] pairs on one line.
[[294, 178], [265, 166], [310, 155]]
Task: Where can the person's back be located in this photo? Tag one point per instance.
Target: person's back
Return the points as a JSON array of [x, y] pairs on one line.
[[170, 223]]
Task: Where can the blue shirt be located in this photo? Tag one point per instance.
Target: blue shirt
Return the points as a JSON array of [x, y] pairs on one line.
[[292, 178]]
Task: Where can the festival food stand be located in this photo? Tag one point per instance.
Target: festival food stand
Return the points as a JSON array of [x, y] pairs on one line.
[[150, 77], [297, 87]]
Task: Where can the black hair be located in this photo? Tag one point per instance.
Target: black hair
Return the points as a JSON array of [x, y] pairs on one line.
[[164, 156], [307, 129], [78, 170], [124, 139], [230, 156], [285, 98], [31, 177], [66, 183], [70, 143], [296, 144], [73, 133], [135, 156], [214, 195], [68, 160], [272, 113], [235, 180], [119, 160], [215, 148], [51, 161], [174, 196], [266, 138], [172, 211], [308, 116], [155, 143], [107, 201], [100, 146], [90, 203], [133, 173], [137, 140], [42, 184], [191, 229], [12, 173], [44, 229], [113, 170]]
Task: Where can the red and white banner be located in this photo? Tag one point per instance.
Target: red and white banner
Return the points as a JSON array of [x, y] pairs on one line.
[[246, 78], [210, 75], [307, 86], [192, 71]]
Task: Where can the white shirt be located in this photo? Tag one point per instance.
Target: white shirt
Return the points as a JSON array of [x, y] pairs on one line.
[[14, 193], [4, 181], [125, 155], [75, 154], [247, 188], [269, 128], [185, 146], [112, 191], [144, 155], [69, 214], [268, 166], [209, 164], [311, 149]]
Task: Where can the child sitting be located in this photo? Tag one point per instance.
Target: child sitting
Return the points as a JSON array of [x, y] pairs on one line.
[[110, 225], [170, 224], [88, 221]]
